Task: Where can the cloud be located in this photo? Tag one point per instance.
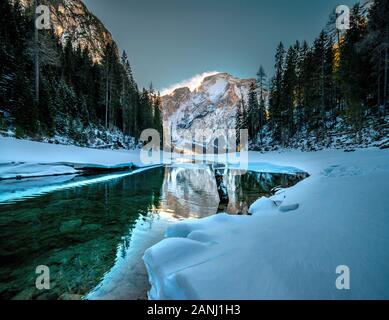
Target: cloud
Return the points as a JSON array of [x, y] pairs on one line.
[[192, 83]]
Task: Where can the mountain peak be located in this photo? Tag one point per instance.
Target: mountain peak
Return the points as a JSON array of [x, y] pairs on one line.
[[203, 81], [181, 91], [218, 76], [212, 104]]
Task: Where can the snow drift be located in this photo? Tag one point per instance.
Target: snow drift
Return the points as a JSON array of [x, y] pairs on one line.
[[337, 216]]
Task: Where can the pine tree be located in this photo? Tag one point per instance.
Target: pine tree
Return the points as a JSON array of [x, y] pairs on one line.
[[157, 114], [7, 54], [330, 86], [302, 53], [108, 71], [261, 85], [124, 94], [74, 92], [275, 105], [289, 93], [241, 118], [352, 70], [253, 111], [238, 122], [145, 111], [36, 58], [376, 43]]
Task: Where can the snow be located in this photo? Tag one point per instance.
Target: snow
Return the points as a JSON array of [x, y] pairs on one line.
[[192, 83], [24, 158], [289, 249], [217, 89], [262, 206], [25, 170]]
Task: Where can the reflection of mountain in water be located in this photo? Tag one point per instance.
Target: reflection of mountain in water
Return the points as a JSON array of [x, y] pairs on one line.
[[193, 192], [189, 193]]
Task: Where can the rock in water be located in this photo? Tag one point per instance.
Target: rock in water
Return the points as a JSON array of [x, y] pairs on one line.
[[222, 190]]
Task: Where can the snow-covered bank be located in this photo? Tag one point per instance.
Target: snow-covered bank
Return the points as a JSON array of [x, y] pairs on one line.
[[342, 218], [23, 158]]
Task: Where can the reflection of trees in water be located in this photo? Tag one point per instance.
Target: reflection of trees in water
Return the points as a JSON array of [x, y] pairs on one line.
[[245, 189]]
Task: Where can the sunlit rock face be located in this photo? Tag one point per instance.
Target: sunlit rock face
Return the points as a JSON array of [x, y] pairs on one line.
[[212, 106], [72, 20]]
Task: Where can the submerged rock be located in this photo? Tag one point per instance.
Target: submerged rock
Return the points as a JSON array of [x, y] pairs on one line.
[[70, 296], [290, 207]]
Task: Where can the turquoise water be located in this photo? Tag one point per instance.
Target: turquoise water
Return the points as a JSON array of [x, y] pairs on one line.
[[92, 232]]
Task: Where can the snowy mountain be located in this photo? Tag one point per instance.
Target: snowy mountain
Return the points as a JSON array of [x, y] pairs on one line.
[[212, 105], [72, 20]]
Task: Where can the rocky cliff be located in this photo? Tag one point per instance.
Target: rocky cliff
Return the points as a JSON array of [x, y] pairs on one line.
[[213, 105], [71, 20]]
